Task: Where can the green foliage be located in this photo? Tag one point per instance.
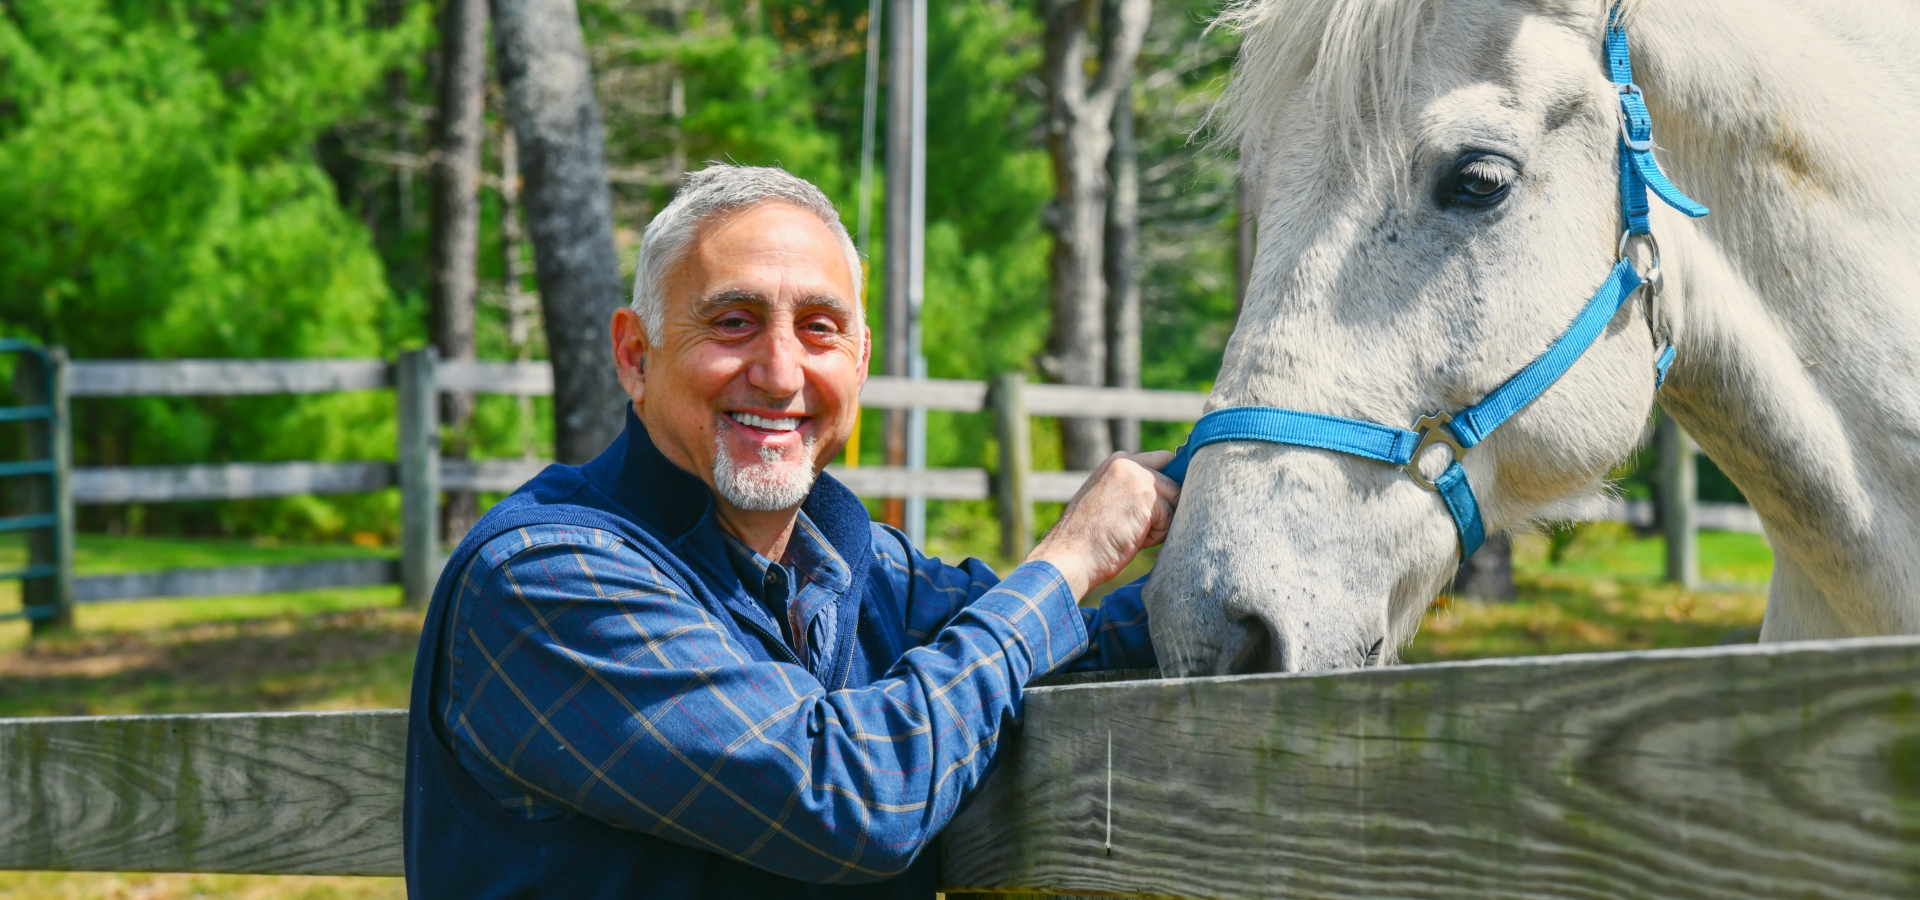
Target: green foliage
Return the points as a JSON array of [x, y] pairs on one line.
[[164, 200], [229, 178]]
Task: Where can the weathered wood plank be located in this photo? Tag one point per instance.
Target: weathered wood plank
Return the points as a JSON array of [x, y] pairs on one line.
[[487, 474], [1774, 771], [1785, 770], [216, 377], [227, 581], [1057, 487], [227, 481], [898, 481], [893, 392], [289, 793], [533, 378], [1077, 400]]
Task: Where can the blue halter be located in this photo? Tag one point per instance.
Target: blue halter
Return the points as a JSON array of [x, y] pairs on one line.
[[1461, 431]]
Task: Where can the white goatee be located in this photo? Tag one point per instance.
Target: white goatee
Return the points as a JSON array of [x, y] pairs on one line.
[[778, 481]]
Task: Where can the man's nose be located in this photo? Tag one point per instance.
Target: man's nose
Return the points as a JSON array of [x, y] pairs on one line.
[[778, 371]]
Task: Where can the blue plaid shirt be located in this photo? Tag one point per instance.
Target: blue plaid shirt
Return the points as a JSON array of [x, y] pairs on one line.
[[578, 679]]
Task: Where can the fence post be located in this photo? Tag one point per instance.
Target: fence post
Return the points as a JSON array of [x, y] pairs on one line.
[[1016, 463], [47, 598], [419, 475], [1679, 487]]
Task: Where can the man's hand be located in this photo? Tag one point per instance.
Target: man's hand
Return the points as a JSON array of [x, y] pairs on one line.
[[1124, 508]]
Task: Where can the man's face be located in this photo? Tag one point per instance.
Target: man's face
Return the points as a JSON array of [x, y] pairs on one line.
[[754, 381]]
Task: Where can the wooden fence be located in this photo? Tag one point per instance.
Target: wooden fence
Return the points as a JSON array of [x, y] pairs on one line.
[[422, 474], [1769, 771]]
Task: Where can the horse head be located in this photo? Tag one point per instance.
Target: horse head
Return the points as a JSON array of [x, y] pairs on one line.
[[1439, 197]]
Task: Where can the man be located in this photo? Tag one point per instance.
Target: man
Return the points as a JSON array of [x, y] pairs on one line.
[[693, 667]]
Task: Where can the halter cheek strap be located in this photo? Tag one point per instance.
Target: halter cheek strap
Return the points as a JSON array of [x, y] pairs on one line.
[[1461, 431]]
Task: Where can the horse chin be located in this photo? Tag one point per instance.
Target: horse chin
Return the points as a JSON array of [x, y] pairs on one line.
[[1332, 571]]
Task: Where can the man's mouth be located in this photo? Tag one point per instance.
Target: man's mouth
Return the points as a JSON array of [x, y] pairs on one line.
[[765, 424]]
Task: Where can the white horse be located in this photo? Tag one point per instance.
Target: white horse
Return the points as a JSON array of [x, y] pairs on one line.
[[1387, 287]]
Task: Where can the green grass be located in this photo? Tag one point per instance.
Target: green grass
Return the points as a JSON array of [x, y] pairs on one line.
[[1595, 587], [1603, 592]]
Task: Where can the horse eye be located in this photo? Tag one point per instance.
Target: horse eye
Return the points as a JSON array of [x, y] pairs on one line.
[[1478, 181]]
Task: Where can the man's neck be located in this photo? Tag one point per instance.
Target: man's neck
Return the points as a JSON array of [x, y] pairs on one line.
[[766, 532]]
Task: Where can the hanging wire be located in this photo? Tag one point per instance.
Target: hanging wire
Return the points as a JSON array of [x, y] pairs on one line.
[[868, 118]]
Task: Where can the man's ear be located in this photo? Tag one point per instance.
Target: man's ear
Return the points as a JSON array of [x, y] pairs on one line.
[[866, 351], [630, 353]]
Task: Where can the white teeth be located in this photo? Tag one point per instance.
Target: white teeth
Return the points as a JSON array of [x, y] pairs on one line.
[[745, 418]]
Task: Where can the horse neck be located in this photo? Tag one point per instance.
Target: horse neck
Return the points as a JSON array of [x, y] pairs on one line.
[[1800, 327]]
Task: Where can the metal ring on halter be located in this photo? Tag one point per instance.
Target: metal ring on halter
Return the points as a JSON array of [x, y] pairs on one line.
[[1431, 429], [1654, 281]]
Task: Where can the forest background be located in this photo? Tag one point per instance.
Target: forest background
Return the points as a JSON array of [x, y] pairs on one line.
[[243, 178]]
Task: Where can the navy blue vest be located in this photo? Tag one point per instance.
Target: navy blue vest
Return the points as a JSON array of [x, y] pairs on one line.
[[461, 845]]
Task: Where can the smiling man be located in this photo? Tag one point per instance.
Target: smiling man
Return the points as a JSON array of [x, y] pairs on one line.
[[694, 667]]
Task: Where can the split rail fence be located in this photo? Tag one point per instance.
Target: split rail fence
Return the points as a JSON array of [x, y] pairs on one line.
[[1757, 771], [422, 474]]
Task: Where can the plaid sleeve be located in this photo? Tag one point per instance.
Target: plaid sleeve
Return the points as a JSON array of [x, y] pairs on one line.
[[582, 681], [935, 591], [1117, 632]]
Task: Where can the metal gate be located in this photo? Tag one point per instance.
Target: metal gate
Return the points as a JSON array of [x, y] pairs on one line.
[[38, 485]]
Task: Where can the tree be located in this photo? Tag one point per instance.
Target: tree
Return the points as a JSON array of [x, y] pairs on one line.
[[569, 209], [459, 131], [1079, 136]]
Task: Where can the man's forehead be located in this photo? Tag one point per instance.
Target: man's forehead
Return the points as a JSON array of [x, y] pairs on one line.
[[771, 246]]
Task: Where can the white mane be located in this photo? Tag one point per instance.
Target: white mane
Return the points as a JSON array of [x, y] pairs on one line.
[[1353, 59]]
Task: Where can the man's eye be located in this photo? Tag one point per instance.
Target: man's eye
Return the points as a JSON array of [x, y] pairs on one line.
[[734, 322]]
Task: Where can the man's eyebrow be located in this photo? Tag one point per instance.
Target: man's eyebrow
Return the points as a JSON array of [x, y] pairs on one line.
[[713, 303]]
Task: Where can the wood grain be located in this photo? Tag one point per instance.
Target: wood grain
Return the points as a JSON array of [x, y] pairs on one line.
[[289, 793], [1786, 770], [1733, 772]]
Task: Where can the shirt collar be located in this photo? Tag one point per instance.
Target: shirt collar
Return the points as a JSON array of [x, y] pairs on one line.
[[811, 556]]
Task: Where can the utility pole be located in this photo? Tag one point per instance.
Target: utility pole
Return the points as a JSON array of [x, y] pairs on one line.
[[906, 432]]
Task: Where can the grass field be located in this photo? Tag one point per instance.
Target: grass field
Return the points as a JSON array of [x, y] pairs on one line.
[[1593, 588]]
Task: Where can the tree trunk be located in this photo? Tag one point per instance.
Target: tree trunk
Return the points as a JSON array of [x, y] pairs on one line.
[[1079, 136], [455, 226], [1122, 248], [569, 209]]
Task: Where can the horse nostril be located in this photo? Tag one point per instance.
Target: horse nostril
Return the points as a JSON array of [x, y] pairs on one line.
[[1373, 654], [1256, 653]]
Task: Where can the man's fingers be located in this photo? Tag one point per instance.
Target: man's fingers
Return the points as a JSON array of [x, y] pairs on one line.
[[1153, 459]]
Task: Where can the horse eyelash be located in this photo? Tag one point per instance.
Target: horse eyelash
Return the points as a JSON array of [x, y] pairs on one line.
[[1489, 170]]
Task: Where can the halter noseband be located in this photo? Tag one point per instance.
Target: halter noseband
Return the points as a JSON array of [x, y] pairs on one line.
[[1639, 171]]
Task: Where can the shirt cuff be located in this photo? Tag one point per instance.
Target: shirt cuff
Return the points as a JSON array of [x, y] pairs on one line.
[[1036, 600]]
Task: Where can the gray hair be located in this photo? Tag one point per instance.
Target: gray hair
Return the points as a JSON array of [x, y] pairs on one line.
[[712, 191]]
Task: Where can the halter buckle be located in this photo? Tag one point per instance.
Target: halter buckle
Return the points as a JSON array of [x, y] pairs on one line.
[[1626, 124], [1431, 429]]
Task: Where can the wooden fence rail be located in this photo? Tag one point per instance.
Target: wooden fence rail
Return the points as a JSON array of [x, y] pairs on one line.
[[421, 474], [1770, 771]]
